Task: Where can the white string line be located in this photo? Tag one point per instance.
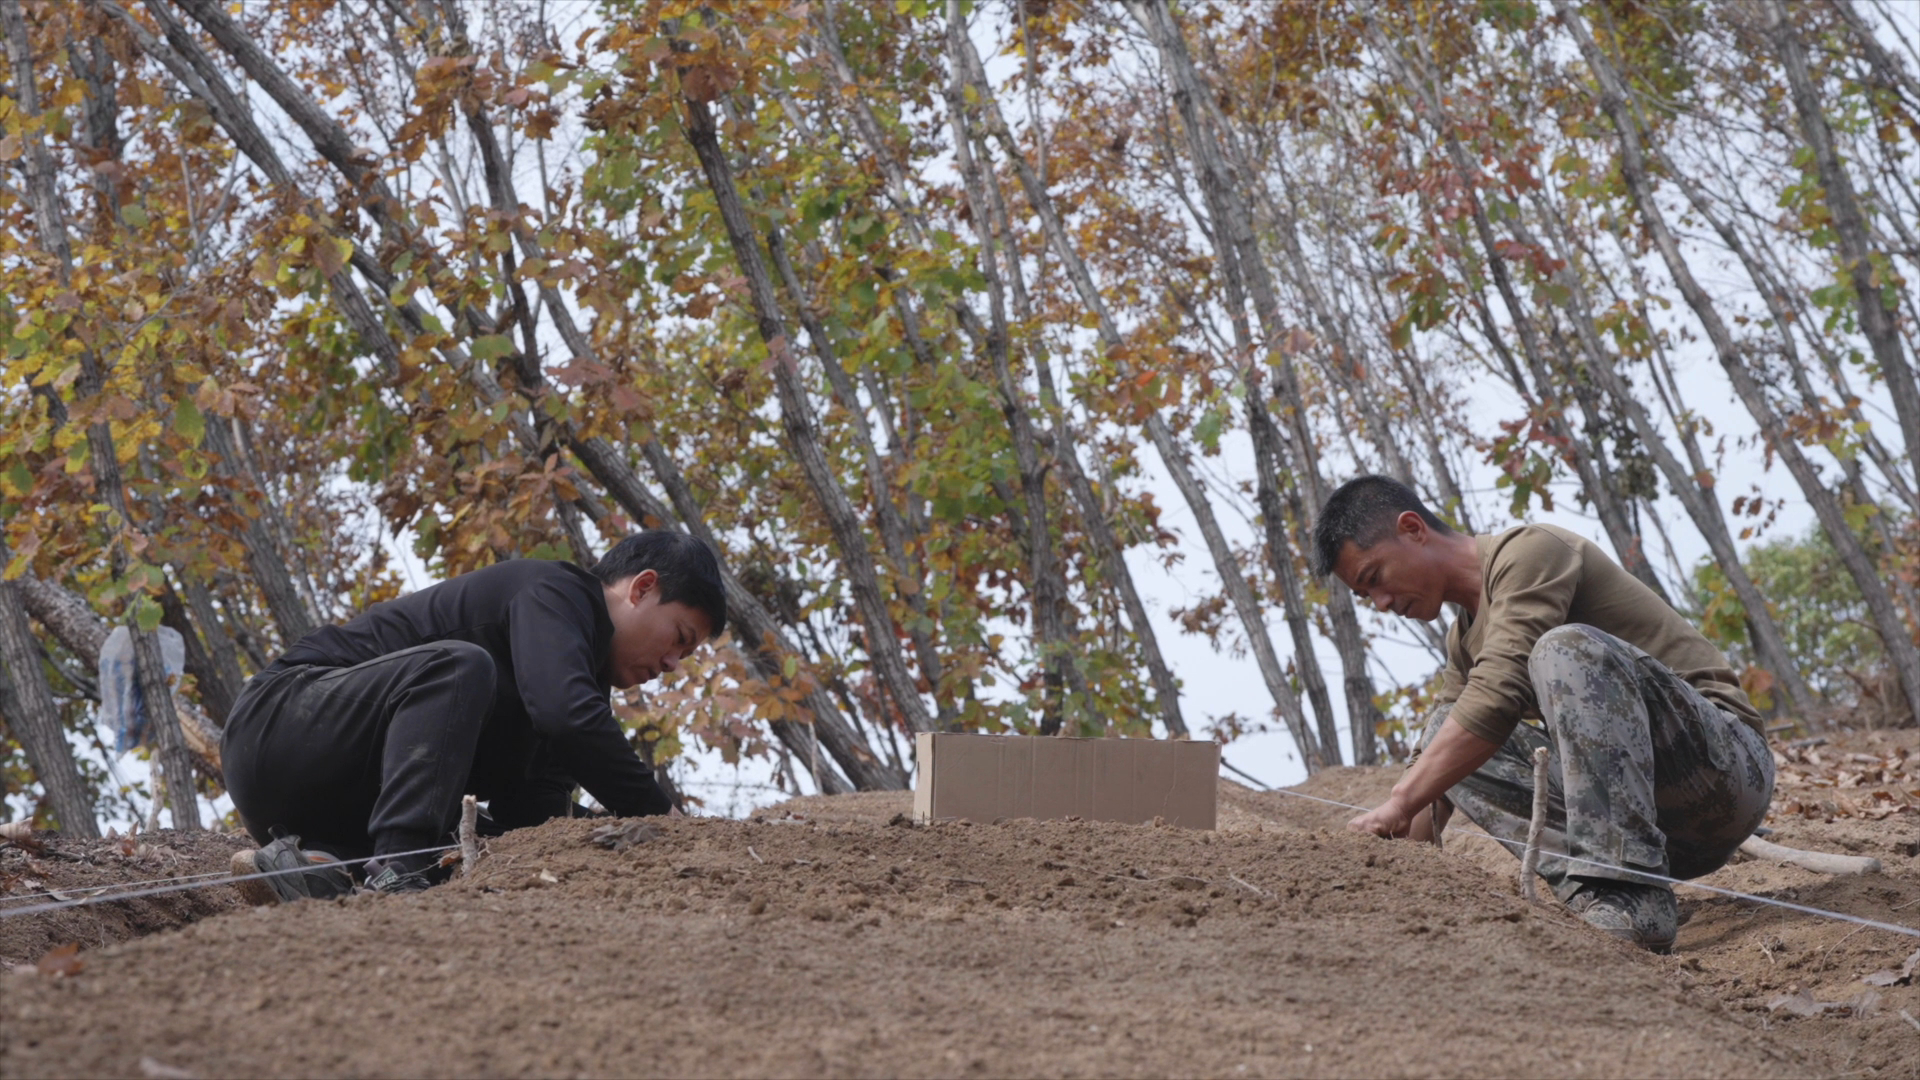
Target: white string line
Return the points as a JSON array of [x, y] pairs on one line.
[[95, 890], [1894, 928], [36, 909]]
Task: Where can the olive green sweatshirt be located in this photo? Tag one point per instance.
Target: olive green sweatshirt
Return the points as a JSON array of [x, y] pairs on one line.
[[1537, 577]]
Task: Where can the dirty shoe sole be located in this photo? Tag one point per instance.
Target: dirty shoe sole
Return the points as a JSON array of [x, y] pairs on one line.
[[1649, 930], [1662, 946], [257, 892]]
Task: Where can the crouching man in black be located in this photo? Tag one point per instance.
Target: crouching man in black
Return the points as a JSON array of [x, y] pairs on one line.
[[363, 738]]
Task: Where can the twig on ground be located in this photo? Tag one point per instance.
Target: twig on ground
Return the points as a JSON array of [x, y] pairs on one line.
[[1819, 861], [1824, 953], [469, 834], [755, 854], [1530, 862], [1254, 889], [1908, 1017]]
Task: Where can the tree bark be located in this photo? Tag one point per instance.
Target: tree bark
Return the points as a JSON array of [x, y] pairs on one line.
[[1895, 638], [1692, 487], [1048, 587], [1245, 604], [796, 412], [34, 718], [1850, 232], [1108, 552], [895, 536], [1596, 486], [1239, 251], [66, 615], [50, 223]]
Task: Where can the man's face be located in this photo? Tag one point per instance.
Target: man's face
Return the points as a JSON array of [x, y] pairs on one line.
[[650, 638], [1402, 573]]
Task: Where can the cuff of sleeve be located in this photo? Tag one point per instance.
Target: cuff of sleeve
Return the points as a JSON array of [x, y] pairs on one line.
[[1492, 728]]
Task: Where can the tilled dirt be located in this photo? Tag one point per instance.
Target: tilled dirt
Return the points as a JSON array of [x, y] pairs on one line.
[[823, 940], [49, 868]]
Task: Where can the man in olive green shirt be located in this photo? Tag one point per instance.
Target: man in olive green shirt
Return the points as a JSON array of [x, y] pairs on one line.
[[1657, 760]]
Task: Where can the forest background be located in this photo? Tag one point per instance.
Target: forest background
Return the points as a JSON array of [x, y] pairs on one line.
[[1004, 350]]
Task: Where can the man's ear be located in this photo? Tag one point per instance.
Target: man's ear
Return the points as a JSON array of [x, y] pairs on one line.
[[640, 585], [1412, 526]]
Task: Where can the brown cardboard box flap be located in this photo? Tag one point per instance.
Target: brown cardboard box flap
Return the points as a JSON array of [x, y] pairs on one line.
[[990, 777]]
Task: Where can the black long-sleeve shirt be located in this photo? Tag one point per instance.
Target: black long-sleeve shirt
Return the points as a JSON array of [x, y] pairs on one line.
[[546, 626]]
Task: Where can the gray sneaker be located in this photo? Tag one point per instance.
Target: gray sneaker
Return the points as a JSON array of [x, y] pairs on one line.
[[291, 873], [1646, 915]]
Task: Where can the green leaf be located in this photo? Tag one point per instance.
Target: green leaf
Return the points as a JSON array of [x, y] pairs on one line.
[[492, 347], [188, 422], [1400, 335], [134, 216], [790, 667], [146, 612], [17, 480], [1208, 431]]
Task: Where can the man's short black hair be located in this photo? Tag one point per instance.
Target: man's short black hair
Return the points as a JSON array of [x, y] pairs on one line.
[[1364, 510], [688, 569]]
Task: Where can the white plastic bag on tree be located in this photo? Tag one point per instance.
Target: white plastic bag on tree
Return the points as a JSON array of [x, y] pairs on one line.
[[121, 705]]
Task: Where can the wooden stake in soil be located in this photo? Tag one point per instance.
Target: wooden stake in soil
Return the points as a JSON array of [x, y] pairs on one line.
[[1531, 860], [469, 835]]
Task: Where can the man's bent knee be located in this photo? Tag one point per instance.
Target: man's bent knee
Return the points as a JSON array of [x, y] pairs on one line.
[[467, 663], [1573, 641]]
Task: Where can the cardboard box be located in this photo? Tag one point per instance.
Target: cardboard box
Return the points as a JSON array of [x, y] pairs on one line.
[[988, 778]]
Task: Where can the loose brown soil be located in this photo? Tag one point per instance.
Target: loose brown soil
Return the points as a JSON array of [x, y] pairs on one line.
[[51, 868], [830, 937]]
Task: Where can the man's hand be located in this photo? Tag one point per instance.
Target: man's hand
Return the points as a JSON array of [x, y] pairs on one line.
[[1391, 819], [1452, 757]]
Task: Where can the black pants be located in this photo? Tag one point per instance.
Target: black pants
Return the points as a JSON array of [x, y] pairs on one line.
[[366, 760]]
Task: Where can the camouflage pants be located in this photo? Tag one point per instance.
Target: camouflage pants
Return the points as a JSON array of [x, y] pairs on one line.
[[1644, 773]]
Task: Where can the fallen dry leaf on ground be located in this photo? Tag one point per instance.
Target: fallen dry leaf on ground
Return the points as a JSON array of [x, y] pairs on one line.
[[62, 960], [1800, 1003], [1895, 978]]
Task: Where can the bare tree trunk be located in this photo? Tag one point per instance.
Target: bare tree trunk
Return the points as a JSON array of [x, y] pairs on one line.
[[148, 663], [264, 560], [1245, 604], [215, 694], [1108, 551], [1849, 229], [1048, 587], [1235, 241], [1607, 502], [34, 718], [894, 534], [882, 640], [1895, 638], [220, 646], [1692, 488], [67, 616]]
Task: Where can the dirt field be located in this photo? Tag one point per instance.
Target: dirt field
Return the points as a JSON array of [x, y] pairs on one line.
[[830, 937]]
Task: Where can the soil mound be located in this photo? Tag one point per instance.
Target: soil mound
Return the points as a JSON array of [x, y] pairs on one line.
[[831, 936], [50, 867], [797, 947]]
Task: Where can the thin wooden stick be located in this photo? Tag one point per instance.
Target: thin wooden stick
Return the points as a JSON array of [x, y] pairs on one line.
[[1531, 860], [1820, 861], [469, 834]]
